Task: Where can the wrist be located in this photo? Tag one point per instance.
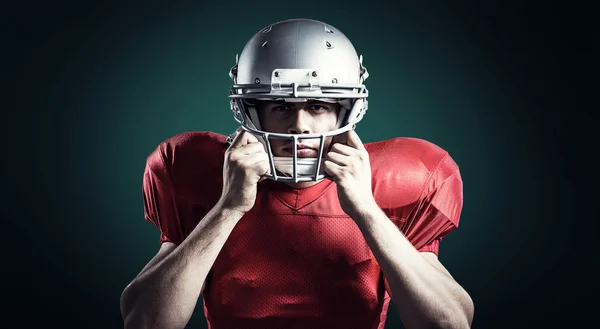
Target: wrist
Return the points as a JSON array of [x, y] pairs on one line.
[[364, 209], [229, 210]]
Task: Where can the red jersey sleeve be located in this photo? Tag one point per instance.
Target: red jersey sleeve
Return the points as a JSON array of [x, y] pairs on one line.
[[182, 181], [437, 211], [419, 187], [159, 199]]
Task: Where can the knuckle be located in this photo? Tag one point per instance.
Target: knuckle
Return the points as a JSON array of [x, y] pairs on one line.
[[231, 158], [362, 155], [239, 162], [265, 167], [351, 168]]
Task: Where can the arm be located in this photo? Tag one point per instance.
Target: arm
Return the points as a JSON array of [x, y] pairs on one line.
[[425, 293], [422, 289], [166, 291]]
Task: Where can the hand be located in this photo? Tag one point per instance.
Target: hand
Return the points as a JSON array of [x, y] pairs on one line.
[[246, 161], [348, 164]]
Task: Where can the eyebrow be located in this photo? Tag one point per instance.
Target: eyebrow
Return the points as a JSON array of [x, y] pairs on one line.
[[270, 102], [274, 103]]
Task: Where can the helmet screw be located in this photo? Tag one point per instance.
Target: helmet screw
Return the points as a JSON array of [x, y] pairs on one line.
[[314, 73], [276, 74], [257, 80], [334, 80]]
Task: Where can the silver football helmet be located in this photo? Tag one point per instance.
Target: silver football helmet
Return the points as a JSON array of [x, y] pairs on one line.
[[296, 60]]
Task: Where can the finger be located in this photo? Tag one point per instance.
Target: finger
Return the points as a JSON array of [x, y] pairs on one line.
[[341, 138], [353, 140], [261, 166], [251, 148], [339, 159], [332, 169], [258, 163], [343, 149], [237, 138], [243, 138]]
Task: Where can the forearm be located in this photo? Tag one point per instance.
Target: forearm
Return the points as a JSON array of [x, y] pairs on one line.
[[424, 295], [165, 295]]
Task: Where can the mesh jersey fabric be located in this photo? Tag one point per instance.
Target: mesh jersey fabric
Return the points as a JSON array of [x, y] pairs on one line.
[[296, 260]]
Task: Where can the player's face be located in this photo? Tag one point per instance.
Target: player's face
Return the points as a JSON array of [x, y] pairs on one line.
[[297, 118]]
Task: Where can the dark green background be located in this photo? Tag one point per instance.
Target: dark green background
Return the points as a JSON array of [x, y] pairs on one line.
[[93, 87]]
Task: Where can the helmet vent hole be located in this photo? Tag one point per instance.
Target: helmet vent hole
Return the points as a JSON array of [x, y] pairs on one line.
[[267, 29], [264, 45], [328, 44], [328, 30]]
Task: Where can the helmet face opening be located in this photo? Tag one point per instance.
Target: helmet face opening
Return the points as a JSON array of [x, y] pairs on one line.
[[290, 61], [293, 169]]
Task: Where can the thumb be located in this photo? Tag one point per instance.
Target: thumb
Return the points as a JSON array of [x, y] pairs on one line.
[[341, 138], [354, 141], [242, 137]]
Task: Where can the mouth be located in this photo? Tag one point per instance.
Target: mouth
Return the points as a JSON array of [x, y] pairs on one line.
[[302, 151]]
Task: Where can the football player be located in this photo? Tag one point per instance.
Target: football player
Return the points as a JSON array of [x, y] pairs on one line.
[[293, 222]]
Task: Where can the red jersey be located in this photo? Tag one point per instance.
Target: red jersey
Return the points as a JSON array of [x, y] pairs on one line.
[[296, 260]]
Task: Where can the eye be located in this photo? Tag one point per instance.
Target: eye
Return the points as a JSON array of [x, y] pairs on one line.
[[318, 108], [281, 108]]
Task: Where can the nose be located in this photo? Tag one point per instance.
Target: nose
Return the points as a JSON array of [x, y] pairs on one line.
[[300, 122]]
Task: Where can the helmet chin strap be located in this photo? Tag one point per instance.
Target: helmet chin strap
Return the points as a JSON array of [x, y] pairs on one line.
[[305, 166]]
